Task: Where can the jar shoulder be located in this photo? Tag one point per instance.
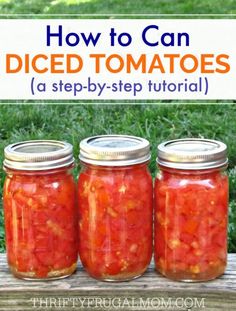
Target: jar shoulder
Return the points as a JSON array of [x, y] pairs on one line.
[[210, 180], [34, 184]]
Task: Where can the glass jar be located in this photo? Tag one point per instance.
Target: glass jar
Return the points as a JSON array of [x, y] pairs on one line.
[[191, 210], [115, 207], [40, 209]]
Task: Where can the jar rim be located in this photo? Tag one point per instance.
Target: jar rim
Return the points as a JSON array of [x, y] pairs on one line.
[[114, 150], [38, 155], [192, 154]]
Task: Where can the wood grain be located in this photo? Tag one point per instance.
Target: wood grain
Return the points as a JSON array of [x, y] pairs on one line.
[[149, 292]]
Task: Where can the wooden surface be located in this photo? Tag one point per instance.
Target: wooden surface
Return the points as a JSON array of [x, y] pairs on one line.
[[149, 292]]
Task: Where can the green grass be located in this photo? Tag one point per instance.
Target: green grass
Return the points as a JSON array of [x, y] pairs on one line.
[[157, 123], [117, 6]]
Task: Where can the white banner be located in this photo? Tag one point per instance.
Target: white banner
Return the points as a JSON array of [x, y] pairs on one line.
[[111, 59]]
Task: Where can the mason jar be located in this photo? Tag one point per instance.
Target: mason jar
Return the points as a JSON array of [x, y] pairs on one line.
[[115, 207], [191, 209], [40, 213]]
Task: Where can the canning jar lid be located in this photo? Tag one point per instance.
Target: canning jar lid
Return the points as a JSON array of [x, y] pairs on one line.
[[114, 150], [192, 154], [38, 155]]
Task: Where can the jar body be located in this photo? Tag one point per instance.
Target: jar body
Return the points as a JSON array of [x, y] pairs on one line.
[[41, 223], [115, 221], [191, 212]]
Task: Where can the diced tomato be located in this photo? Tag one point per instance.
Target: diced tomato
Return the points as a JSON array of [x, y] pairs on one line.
[[40, 218], [113, 268], [42, 271], [46, 258], [191, 224], [115, 220], [21, 264]]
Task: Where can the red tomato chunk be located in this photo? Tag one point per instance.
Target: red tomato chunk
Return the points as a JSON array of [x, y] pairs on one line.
[[191, 224], [115, 221], [41, 224]]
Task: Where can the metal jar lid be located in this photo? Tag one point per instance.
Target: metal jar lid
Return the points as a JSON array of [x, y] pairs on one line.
[[38, 155], [192, 154], [114, 150]]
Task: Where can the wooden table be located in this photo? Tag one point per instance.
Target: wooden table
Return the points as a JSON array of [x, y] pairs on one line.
[[149, 292]]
